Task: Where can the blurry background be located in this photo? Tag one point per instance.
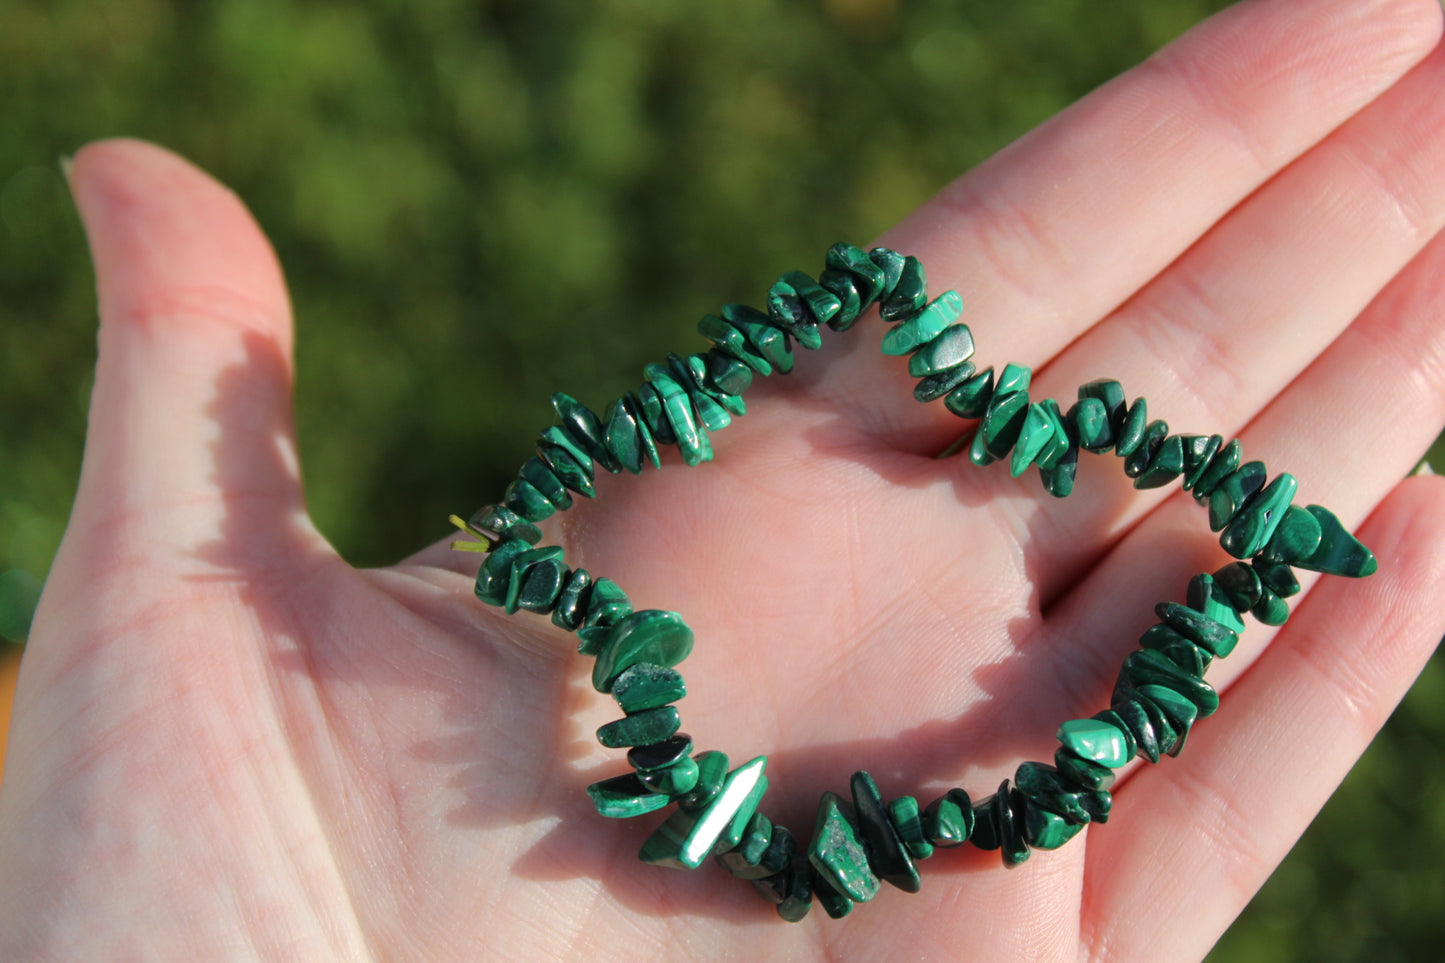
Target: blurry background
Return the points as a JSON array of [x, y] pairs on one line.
[[480, 202]]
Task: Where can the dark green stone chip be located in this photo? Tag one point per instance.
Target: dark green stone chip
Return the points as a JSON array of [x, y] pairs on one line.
[[745, 860], [495, 575], [1149, 667], [1139, 724], [569, 471], [1002, 423], [907, 820], [726, 374], [571, 605], [1298, 536], [641, 728], [1096, 741], [887, 856], [771, 342], [1148, 449], [673, 780], [1046, 830], [1278, 577], [731, 342], [1166, 465], [837, 851], [523, 498], [712, 769], [942, 383], [623, 797], [1088, 774], [585, 428], [1049, 788], [1339, 552], [505, 524], [891, 263], [798, 895], [852, 260], [1176, 648], [827, 895], [1214, 637], [908, 296], [1206, 596], [1254, 525], [1270, 609], [840, 284], [1240, 585], [950, 820], [536, 580], [623, 435], [651, 636], [945, 352], [1091, 420], [1178, 709], [1036, 431], [1198, 451], [970, 399], [1221, 466], [1130, 434], [924, 326], [660, 755], [643, 685], [686, 838], [1111, 395]]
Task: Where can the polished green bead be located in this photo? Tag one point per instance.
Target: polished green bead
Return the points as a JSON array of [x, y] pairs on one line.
[[887, 856], [907, 821], [690, 437], [1059, 443], [1176, 648], [568, 471], [1270, 609], [1149, 446], [1254, 525], [710, 414], [923, 326], [1046, 830], [583, 426], [623, 797], [1114, 719], [1278, 577], [1000, 825], [1002, 423], [1221, 466], [948, 350], [742, 860], [536, 580], [1035, 432], [798, 896], [1211, 600], [970, 399], [495, 575], [1130, 434], [767, 340], [1339, 552], [641, 728], [1091, 420], [652, 636], [822, 304], [840, 284], [712, 769], [539, 476], [1096, 741], [726, 374], [505, 524], [1240, 585], [1199, 450], [607, 605], [523, 498], [1165, 735], [654, 415], [731, 342], [1013, 377], [1147, 667], [1111, 395], [774, 859], [673, 780], [978, 452], [908, 296], [837, 851], [867, 275], [891, 263], [1141, 727], [660, 755], [1177, 708], [1297, 536], [686, 838], [788, 311], [950, 819], [571, 605], [1166, 465], [1213, 637], [1059, 480], [643, 685], [1049, 788], [827, 895], [623, 435], [942, 383], [1088, 774]]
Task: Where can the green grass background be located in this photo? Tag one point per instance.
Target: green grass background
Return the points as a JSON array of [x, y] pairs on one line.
[[478, 203]]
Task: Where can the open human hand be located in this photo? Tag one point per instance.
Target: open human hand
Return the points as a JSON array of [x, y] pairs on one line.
[[229, 743]]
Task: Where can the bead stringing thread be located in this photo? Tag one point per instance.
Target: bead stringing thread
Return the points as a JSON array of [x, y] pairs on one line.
[[861, 841]]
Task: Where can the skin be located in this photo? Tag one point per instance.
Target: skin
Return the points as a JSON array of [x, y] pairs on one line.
[[228, 743]]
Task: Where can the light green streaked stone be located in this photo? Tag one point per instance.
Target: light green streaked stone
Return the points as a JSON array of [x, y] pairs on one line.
[[949, 350], [1252, 528], [652, 636], [1095, 740], [623, 797], [1339, 552], [686, 838], [924, 326]]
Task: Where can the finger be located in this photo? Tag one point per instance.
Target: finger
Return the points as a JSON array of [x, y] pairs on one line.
[[1062, 227], [1239, 316], [1383, 387], [1192, 841], [190, 420]]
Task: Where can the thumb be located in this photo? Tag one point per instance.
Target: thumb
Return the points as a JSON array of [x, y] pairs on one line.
[[190, 451]]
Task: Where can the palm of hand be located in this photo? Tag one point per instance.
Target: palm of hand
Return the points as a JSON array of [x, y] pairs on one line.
[[339, 763]]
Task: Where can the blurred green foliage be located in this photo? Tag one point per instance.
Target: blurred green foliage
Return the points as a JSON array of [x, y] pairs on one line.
[[472, 199]]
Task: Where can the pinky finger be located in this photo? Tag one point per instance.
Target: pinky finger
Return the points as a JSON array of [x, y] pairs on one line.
[[1196, 839]]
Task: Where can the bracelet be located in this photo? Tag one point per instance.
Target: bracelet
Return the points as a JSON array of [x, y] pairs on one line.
[[861, 840]]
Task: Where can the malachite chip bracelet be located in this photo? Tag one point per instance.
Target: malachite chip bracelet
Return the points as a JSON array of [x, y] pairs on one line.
[[860, 841]]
